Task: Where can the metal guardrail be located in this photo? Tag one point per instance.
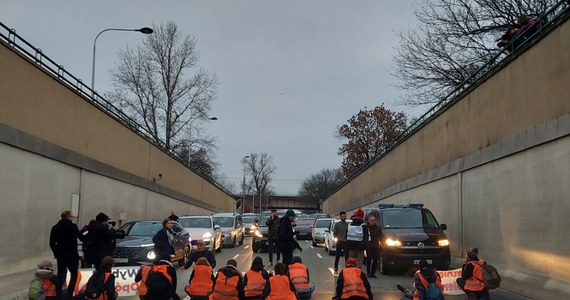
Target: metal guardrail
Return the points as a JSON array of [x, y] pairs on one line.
[[546, 22], [36, 55]]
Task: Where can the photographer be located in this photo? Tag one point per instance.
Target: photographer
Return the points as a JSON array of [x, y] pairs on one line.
[[104, 238]]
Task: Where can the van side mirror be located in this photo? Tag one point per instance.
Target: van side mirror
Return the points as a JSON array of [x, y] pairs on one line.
[[443, 226]]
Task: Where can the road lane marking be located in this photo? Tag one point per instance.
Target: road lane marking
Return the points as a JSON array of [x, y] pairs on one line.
[[312, 247], [236, 256], [246, 247], [331, 270], [319, 255]]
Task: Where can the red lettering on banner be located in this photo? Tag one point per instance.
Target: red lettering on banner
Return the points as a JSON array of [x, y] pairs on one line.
[[127, 288]]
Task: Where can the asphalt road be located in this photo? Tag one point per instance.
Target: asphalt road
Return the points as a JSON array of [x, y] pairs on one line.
[[320, 267]]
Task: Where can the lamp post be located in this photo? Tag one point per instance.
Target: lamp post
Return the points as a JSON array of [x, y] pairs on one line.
[[243, 183], [144, 30]]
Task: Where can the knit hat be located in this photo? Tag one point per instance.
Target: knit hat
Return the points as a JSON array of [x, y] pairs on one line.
[[45, 264], [423, 265], [359, 214], [351, 262], [101, 217], [290, 213], [473, 252]]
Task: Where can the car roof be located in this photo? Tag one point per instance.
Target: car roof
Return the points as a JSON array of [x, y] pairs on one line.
[[189, 217], [224, 215]]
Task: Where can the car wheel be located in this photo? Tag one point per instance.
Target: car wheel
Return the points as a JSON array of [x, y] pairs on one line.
[[314, 244], [182, 262], [233, 243], [382, 265], [241, 241]]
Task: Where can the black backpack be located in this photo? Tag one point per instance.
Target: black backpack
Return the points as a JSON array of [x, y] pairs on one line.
[[95, 285], [156, 282]]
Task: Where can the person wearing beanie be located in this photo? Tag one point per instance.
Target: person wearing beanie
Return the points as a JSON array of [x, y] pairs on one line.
[[352, 283], [229, 283], [286, 237], [63, 243], [255, 279], [471, 280], [102, 274], [299, 276], [44, 278], [355, 237], [103, 239], [425, 275]]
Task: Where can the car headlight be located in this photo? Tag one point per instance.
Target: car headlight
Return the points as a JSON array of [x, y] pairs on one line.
[[258, 233], [443, 243], [393, 243], [207, 235], [151, 255], [147, 245], [334, 239], [253, 227], [317, 234]]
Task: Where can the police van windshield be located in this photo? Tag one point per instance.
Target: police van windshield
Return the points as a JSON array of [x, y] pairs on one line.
[[408, 218]]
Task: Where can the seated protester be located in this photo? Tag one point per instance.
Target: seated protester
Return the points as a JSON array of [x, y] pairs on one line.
[[229, 283], [201, 252], [352, 283], [255, 279], [423, 277], [43, 284], [299, 276], [201, 281], [471, 280], [101, 285], [157, 281], [279, 287]]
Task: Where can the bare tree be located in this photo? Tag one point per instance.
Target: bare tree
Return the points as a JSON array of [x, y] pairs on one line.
[[157, 86], [453, 39], [259, 168], [320, 185], [367, 133]]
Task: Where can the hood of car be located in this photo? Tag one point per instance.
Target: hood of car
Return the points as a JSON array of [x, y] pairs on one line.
[[135, 241], [196, 233]]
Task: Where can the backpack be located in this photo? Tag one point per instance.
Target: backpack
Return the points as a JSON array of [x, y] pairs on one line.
[[491, 277], [95, 285], [36, 290], [156, 282], [432, 292], [355, 233]]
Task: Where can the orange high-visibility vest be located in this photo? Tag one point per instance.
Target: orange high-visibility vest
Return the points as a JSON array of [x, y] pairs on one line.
[[255, 283], [225, 288], [352, 284], [475, 282], [280, 288], [79, 277], [299, 276], [103, 295], [143, 289], [201, 284], [49, 287], [425, 283]]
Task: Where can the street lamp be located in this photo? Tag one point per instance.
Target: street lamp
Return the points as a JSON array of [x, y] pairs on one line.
[[144, 30], [243, 184]]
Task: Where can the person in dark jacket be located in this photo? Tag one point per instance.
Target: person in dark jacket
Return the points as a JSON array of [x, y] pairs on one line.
[[169, 272], [272, 229], [103, 238], [372, 238], [285, 237], [471, 280], [355, 238], [429, 274], [63, 243], [224, 281], [201, 251], [104, 269], [256, 267], [163, 241]]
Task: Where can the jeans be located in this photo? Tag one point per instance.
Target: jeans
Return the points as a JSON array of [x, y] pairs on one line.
[[306, 293], [341, 248], [272, 244], [372, 254], [64, 264]]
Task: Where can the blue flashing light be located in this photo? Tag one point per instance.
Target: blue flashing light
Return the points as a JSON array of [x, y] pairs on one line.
[[392, 205]]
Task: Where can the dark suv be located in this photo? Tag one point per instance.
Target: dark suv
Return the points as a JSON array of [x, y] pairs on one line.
[[410, 233]]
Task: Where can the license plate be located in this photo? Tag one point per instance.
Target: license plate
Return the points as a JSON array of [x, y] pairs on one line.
[[417, 261], [121, 260]]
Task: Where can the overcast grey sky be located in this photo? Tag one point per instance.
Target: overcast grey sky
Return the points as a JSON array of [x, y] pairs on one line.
[[290, 71]]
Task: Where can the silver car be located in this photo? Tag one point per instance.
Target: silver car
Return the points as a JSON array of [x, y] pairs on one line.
[[232, 228], [330, 239], [318, 230], [203, 228]]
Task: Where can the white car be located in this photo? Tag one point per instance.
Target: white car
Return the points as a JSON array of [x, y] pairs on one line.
[[330, 240], [318, 230], [203, 228]]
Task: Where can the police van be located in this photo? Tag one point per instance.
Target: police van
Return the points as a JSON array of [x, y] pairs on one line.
[[410, 233]]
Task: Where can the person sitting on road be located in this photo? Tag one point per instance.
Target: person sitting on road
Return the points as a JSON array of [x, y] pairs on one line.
[[146, 282], [229, 283], [299, 276], [422, 278], [352, 283], [44, 274], [255, 279], [201, 282], [201, 251], [279, 286], [102, 274], [471, 280]]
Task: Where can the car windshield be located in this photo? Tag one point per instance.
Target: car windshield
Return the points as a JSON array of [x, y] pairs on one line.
[[323, 224], [263, 221], [408, 218], [305, 222], [225, 221], [144, 228], [248, 220], [195, 222]]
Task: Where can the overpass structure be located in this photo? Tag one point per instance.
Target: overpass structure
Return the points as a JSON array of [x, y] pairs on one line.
[[492, 161], [62, 148]]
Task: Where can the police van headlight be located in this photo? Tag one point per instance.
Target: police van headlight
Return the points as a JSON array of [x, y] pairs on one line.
[[393, 243], [151, 255], [334, 239], [443, 243]]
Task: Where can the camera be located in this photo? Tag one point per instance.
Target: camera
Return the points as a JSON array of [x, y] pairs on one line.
[[112, 223]]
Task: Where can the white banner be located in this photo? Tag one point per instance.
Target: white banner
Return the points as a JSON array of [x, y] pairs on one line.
[[125, 284], [450, 286]]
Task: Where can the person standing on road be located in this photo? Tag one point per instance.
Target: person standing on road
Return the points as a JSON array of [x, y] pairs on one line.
[[63, 243], [355, 237], [471, 280], [104, 238], [339, 232], [352, 283], [200, 252], [163, 241], [372, 238], [272, 228], [286, 237]]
